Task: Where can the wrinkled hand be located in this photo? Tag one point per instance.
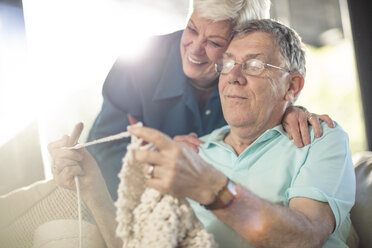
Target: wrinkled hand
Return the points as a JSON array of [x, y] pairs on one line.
[[178, 170], [66, 164], [295, 123], [191, 140]]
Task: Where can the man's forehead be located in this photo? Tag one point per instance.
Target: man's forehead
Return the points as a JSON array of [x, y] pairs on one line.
[[252, 45], [244, 56]]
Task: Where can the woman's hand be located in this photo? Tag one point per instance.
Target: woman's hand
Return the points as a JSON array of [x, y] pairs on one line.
[[191, 140], [295, 123], [177, 169]]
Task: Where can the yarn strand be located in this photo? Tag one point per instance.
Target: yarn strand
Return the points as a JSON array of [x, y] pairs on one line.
[[77, 184], [105, 139], [145, 216], [79, 212]]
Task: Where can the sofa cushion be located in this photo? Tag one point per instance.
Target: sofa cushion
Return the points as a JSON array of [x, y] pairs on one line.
[[22, 211], [353, 238], [65, 233], [361, 213]]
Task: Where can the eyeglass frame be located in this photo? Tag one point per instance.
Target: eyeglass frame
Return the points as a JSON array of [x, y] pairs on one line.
[[243, 69]]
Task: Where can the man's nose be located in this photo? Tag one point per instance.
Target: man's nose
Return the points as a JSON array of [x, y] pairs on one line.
[[236, 75]]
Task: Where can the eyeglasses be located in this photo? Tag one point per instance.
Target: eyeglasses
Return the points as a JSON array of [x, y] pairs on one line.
[[252, 67]]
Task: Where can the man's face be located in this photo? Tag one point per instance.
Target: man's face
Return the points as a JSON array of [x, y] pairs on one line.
[[202, 43], [253, 101]]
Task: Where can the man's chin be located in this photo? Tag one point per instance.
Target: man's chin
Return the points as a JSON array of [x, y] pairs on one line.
[[237, 123]]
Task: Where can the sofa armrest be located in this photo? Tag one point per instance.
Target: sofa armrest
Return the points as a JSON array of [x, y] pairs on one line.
[[361, 213]]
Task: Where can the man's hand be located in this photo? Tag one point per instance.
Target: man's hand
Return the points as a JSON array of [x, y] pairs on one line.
[[177, 169], [295, 123], [191, 140], [70, 163]]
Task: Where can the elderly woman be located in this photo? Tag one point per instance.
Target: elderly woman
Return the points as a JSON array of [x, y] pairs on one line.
[[173, 88]]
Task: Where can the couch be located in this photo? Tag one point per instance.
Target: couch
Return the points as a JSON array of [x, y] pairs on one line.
[[44, 205], [361, 213]]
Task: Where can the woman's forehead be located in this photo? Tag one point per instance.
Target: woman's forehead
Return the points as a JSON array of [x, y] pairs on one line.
[[217, 28]]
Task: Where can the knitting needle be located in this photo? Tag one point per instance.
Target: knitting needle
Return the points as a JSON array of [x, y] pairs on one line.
[[131, 119], [75, 134]]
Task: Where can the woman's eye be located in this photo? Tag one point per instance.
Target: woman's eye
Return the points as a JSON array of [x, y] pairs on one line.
[[215, 44], [192, 30]]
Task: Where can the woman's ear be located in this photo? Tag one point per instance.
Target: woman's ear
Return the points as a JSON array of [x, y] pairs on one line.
[[296, 83]]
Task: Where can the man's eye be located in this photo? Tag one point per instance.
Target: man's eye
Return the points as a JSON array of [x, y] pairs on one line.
[[228, 63], [253, 65]]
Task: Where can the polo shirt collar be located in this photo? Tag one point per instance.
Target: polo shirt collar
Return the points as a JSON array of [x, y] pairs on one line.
[[217, 136]]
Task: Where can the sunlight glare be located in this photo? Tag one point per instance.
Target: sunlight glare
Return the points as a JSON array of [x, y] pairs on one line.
[[72, 46]]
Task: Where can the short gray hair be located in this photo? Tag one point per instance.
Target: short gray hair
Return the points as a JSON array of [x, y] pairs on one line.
[[290, 45], [238, 12]]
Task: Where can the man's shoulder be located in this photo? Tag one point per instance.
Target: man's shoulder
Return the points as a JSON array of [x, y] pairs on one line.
[[336, 133]]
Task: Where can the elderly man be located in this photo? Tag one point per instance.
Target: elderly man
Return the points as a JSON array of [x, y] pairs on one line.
[[173, 86], [257, 187]]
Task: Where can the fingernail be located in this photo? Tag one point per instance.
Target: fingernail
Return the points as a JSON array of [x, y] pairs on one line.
[[194, 135]]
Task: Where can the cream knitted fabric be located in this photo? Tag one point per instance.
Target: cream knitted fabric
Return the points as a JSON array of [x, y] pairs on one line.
[[147, 218], [24, 210]]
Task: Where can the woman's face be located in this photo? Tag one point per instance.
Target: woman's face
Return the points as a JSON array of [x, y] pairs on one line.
[[203, 42]]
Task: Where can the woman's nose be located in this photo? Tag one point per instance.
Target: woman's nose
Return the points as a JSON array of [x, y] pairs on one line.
[[197, 47]]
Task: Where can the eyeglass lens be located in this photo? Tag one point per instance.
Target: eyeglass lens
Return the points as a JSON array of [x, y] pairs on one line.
[[250, 67]]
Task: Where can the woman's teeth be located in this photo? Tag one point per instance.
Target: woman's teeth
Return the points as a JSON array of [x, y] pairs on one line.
[[194, 61]]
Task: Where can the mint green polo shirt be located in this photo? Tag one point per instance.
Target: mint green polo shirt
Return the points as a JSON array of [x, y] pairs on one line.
[[276, 170]]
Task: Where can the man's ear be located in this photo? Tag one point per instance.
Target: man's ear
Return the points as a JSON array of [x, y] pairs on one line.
[[295, 85]]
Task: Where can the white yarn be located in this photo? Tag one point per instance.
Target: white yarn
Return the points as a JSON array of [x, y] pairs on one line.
[[102, 140], [80, 221], [146, 217], [78, 146]]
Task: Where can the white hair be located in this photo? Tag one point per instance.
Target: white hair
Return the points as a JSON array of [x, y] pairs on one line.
[[238, 12], [291, 48], [290, 44]]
